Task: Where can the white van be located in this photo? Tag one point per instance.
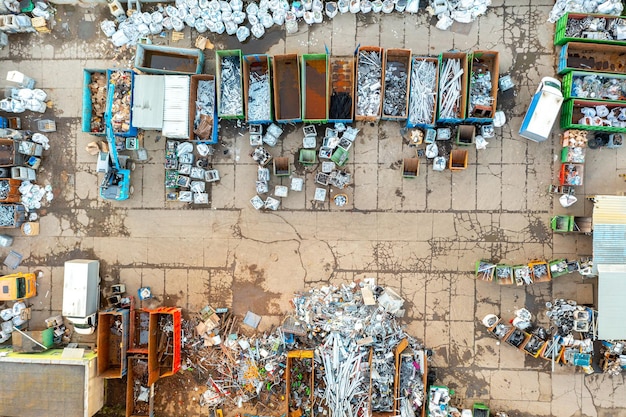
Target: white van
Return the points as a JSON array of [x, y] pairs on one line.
[[543, 110], [81, 294]]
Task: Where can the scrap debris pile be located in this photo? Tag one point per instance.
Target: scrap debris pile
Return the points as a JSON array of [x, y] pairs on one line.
[[205, 109], [480, 89], [187, 170], [423, 95], [323, 348], [333, 153], [394, 103], [569, 340], [603, 116], [369, 79], [595, 86], [462, 11], [259, 95], [98, 89], [612, 7], [598, 28], [231, 98], [120, 108]]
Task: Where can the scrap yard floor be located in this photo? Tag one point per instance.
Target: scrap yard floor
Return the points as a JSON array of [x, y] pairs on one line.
[[420, 236]]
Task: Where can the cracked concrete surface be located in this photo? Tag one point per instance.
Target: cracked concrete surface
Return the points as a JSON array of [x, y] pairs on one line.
[[420, 236]]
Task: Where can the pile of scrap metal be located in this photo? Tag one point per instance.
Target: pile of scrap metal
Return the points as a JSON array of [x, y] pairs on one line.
[[336, 344]]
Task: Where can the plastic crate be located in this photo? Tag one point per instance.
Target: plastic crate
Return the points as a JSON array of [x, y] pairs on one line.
[[571, 174], [562, 223], [46, 125], [485, 270], [561, 28], [571, 115], [570, 78], [604, 58]]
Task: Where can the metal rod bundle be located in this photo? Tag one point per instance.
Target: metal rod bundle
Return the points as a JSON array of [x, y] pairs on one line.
[[450, 89], [423, 91]]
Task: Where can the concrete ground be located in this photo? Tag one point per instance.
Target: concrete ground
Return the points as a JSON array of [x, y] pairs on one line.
[[420, 236]]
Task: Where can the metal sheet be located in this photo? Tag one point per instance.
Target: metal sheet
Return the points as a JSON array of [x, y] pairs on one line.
[[611, 299]]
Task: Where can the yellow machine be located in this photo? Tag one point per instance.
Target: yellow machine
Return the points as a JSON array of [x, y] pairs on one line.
[[18, 286]]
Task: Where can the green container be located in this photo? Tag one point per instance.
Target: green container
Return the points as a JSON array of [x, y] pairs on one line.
[[558, 267], [569, 79], [307, 157], [504, 274], [485, 270], [562, 223], [219, 55], [561, 27], [570, 115], [340, 156], [480, 410]]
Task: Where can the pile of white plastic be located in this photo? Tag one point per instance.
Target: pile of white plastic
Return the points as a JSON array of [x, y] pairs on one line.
[[243, 20], [22, 99], [32, 194], [462, 11], [612, 7], [11, 318]]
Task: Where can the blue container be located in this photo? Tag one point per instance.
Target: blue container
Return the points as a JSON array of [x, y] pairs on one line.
[[132, 131], [87, 107]]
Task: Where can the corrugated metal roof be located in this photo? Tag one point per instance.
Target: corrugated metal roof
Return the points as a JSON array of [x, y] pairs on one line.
[[176, 110], [611, 300], [609, 230], [609, 209], [148, 92]]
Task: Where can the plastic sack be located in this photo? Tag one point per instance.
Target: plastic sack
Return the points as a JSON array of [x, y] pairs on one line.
[[412, 6], [258, 31], [480, 141], [243, 33], [444, 22], [107, 27], [6, 314], [432, 150], [42, 140]]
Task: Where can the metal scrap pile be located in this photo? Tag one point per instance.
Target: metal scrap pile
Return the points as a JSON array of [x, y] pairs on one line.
[[259, 97], [7, 215], [341, 325], [231, 102], [369, 77], [597, 28], [423, 91], [480, 89], [561, 7], [205, 106], [394, 103]]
